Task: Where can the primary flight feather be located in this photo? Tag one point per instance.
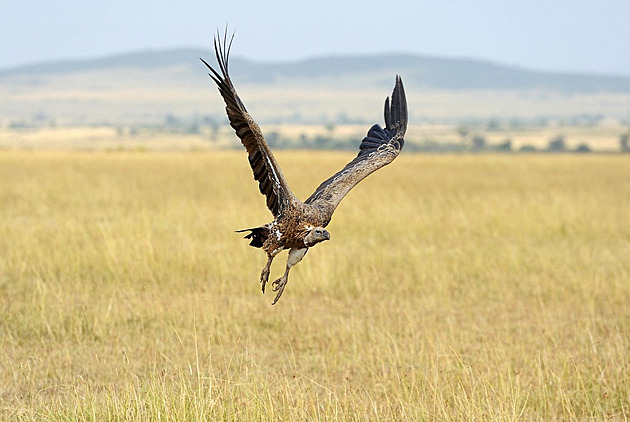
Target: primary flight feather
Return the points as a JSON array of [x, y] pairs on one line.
[[299, 225]]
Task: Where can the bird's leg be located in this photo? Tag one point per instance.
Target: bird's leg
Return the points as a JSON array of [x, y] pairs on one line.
[[264, 276], [295, 256]]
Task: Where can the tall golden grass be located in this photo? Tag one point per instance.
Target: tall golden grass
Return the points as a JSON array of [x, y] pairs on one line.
[[454, 288]]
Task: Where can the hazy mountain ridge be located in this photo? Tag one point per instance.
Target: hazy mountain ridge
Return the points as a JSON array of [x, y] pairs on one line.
[[418, 70], [150, 87]]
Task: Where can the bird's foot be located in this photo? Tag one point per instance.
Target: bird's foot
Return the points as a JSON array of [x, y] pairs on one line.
[[278, 286], [264, 278]]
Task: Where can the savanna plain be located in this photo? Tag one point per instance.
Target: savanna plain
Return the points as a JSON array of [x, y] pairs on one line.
[[455, 287]]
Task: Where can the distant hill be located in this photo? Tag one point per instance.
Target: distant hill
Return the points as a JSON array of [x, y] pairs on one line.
[[375, 70], [153, 87]]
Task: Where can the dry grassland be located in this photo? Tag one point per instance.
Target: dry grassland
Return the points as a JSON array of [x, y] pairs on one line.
[[454, 288]]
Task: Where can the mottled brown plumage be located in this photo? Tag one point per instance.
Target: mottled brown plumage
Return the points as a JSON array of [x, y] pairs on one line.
[[299, 225]]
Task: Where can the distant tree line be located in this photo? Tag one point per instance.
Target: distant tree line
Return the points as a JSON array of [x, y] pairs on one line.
[[470, 133], [477, 144]]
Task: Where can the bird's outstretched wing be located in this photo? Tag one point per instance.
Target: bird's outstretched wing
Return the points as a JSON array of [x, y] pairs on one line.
[[379, 148], [266, 170]]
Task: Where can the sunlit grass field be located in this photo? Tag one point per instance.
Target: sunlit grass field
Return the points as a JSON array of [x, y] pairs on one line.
[[464, 287]]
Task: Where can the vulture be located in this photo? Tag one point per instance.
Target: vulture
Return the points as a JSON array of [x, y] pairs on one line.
[[298, 225]]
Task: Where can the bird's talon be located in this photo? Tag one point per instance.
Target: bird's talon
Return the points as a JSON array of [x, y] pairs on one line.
[[278, 286], [279, 294], [264, 277]]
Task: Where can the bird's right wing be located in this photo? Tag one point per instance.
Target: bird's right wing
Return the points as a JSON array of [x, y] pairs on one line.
[[266, 170], [379, 148]]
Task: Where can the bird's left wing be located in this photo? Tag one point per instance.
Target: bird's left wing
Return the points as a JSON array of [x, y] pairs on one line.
[[267, 172], [379, 148]]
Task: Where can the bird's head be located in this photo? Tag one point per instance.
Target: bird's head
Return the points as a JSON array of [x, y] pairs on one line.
[[316, 235]]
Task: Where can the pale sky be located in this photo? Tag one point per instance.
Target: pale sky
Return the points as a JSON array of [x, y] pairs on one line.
[[556, 35]]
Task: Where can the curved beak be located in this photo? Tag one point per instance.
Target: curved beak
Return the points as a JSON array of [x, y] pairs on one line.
[[326, 235]]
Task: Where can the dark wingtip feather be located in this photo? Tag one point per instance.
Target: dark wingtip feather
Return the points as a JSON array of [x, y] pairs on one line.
[[396, 111], [222, 48], [387, 113], [395, 114]]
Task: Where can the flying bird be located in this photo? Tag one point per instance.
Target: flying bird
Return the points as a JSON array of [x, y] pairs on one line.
[[298, 225]]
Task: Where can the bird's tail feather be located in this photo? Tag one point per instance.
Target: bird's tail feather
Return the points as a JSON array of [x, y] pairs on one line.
[[258, 235]]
